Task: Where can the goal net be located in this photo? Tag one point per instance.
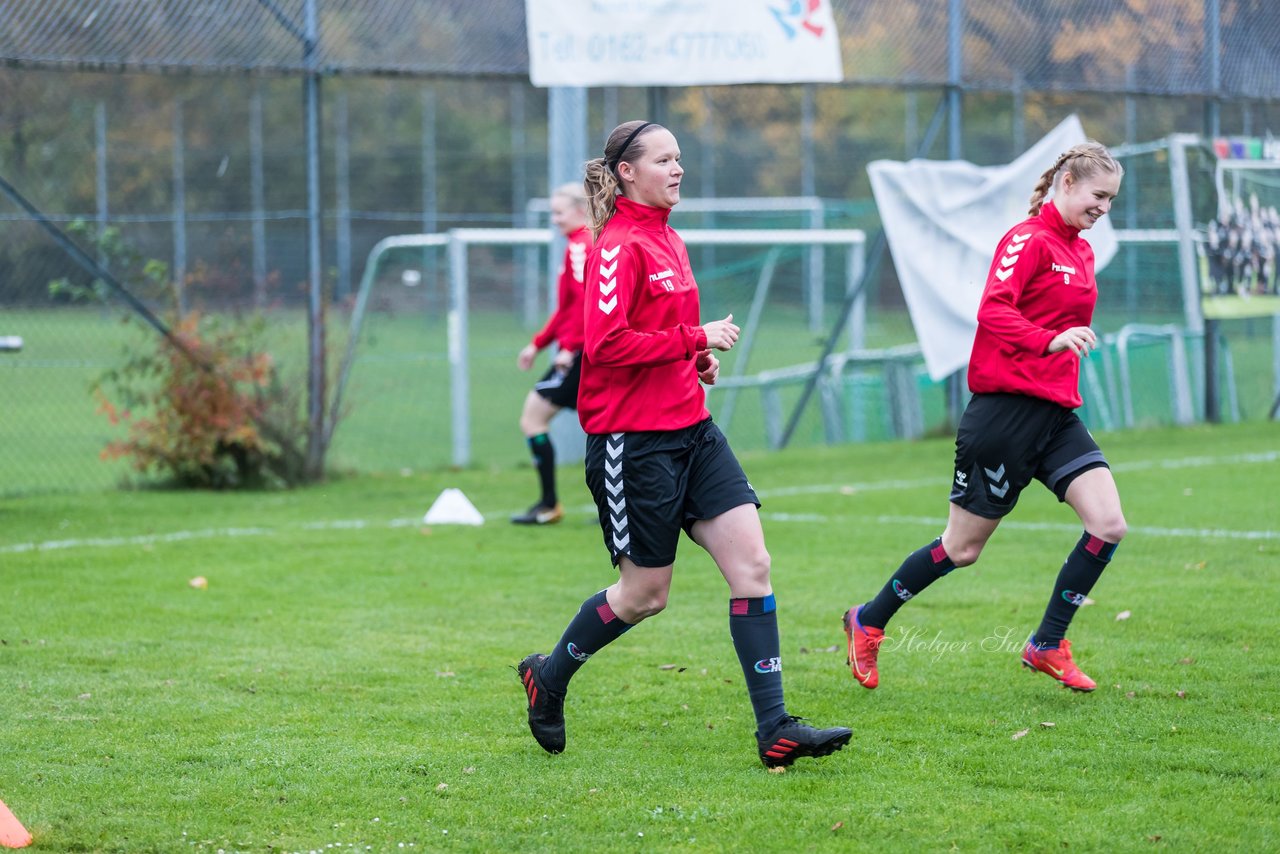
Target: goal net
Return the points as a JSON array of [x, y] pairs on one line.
[[431, 366], [1239, 275]]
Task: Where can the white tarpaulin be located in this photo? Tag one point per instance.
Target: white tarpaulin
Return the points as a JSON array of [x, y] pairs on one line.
[[943, 219], [681, 42]]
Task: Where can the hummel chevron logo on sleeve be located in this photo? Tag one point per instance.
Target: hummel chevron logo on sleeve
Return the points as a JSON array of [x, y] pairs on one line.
[[607, 282], [578, 260], [1011, 252]]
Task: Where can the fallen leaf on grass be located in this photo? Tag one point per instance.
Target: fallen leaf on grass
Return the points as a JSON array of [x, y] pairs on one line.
[[780, 769], [1124, 615], [837, 825], [1020, 733], [1048, 724], [1187, 661], [442, 787], [1088, 601], [199, 582], [666, 667], [445, 673], [1180, 694]]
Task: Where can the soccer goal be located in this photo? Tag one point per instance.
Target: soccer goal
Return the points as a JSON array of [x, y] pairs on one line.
[[753, 277]]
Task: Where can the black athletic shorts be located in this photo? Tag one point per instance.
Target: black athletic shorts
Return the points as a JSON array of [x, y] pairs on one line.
[[650, 485], [1005, 440], [559, 386]]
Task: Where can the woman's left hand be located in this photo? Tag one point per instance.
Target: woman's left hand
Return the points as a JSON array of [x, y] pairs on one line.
[[564, 359], [1078, 339], [708, 367]]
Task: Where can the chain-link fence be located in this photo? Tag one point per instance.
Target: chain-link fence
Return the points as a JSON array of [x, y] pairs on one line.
[[428, 123]]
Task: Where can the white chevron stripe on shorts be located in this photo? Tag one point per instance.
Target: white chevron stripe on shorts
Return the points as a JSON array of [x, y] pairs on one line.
[[619, 534]]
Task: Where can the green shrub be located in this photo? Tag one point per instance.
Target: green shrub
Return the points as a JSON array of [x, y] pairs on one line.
[[207, 407]]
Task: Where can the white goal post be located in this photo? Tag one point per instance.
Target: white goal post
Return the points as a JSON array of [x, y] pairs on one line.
[[457, 241]]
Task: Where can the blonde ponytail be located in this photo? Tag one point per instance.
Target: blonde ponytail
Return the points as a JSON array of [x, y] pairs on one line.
[[601, 188]]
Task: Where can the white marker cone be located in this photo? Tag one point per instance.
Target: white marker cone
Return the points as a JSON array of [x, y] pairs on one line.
[[453, 508]]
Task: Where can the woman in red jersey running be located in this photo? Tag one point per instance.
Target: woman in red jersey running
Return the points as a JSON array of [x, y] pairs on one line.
[[656, 464], [1024, 372], [558, 387]]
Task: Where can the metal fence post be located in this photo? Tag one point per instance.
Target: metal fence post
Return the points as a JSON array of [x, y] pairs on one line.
[[459, 392], [179, 211], [257, 199]]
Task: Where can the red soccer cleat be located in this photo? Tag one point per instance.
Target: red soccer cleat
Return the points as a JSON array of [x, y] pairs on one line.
[[1058, 664], [864, 646]]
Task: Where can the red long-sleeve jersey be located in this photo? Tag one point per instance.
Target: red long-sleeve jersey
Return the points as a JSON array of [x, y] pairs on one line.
[[639, 367], [564, 326], [1040, 284]]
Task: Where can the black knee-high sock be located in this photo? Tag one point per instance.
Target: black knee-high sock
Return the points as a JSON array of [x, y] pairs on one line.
[[753, 625], [544, 460], [1079, 573], [921, 568], [591, 630]]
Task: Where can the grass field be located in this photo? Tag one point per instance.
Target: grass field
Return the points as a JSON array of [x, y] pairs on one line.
[[345, 681]]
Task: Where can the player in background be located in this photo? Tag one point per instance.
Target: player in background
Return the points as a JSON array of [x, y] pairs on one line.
[[1024, 372], [558, 387], [655, 463]]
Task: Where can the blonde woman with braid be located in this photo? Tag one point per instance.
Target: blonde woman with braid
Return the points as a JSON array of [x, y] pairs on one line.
[[1033, 329]]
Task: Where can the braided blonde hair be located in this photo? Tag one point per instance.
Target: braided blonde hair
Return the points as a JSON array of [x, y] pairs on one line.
[[1083, 161], [601, 183]]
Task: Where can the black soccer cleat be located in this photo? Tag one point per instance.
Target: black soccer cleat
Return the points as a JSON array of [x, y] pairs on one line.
[[546, 708], [539, 514], [791, 739]]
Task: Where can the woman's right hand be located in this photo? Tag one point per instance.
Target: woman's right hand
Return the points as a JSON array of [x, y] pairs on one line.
[[1078, 339], [721, 334], [526, 357]]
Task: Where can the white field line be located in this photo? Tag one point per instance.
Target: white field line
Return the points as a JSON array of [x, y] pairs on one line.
[[814, 518], [940, 522]]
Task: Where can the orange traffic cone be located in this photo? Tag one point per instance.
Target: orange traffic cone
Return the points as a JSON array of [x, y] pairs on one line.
[[12, 833]]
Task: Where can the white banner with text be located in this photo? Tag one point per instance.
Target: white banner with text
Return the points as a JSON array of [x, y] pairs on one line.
[[681, 42]]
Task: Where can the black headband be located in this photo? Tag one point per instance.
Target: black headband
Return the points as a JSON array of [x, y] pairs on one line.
[[613, 164]]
